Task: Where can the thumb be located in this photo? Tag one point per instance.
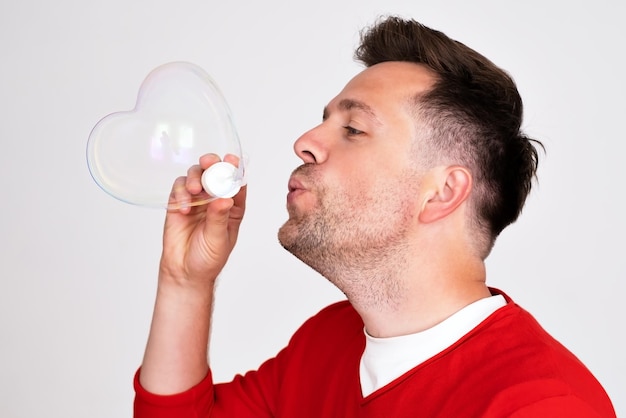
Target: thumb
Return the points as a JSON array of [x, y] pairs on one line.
[[216, 221]]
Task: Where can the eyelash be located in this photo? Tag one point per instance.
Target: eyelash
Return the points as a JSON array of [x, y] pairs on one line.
[[351, 131]]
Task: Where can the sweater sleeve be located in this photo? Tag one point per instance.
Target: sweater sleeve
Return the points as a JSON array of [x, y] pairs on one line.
[[251, 395], [194, 402], [256, 394]]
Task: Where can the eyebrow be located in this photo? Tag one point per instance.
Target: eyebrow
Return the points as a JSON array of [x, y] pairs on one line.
[[350, 104]]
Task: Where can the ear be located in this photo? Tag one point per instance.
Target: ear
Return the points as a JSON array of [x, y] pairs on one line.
[[446, 188]]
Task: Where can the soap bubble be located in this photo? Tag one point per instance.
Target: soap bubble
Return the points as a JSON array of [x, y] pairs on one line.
[[180, 114]]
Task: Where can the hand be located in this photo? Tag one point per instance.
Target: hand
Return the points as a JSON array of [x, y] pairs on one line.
[[197, 240]]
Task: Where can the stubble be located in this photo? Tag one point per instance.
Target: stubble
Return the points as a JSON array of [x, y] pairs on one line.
[[357, 238]]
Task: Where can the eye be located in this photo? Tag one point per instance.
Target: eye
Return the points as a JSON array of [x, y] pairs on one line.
[[351, 131]]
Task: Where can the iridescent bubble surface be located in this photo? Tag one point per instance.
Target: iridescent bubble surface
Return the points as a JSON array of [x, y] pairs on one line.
[[180, 114]]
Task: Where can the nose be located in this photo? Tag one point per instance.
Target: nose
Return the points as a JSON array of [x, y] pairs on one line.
[[310, 147]]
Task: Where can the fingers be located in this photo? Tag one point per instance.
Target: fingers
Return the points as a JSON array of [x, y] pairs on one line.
[[180, 197], [233, 159], [239, 198], [227, 213], [194, 174], [218, 214], [208, 160], [188, 191], [193, 181]]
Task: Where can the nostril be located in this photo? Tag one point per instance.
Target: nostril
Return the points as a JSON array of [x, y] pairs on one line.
[[310, 156], [309, 147]]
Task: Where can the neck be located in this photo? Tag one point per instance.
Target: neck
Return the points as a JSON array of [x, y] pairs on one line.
[[417, 295]]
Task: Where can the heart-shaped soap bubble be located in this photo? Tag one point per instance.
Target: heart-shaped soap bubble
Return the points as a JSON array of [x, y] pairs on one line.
[[180, 114]]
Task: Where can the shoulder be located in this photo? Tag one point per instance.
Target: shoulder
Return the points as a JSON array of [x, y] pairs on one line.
[[542, 374], [515, 336], [336, 317], [336, 324]]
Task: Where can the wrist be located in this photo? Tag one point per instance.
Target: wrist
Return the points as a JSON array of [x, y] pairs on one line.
[[179, 279], [177, 290]]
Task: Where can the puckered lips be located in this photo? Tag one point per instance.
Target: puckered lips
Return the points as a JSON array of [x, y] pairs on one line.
[[296, 188]]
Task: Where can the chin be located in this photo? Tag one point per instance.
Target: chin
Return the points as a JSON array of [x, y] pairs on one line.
[[287, 234]]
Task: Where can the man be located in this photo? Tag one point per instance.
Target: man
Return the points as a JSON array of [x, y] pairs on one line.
[[417, 166]]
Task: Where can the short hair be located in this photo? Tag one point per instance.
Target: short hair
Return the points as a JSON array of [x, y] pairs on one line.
[[473, 114]]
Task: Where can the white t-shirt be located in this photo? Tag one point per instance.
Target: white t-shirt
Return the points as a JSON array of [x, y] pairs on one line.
[[386, 359]]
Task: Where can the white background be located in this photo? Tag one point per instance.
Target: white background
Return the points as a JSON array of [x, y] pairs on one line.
[[79, 267]]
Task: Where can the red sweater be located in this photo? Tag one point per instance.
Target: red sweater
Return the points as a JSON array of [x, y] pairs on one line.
[[507, 366]]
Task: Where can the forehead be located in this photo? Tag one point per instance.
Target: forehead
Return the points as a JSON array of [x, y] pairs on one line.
[[388, 83]]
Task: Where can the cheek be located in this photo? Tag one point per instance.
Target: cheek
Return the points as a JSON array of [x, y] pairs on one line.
[[368, 180], [360, 193]]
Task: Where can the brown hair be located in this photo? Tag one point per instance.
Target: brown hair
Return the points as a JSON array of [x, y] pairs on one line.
[[473, 115]]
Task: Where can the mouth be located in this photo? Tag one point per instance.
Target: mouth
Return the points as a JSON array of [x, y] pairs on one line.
[[294, 185], [295, 188]]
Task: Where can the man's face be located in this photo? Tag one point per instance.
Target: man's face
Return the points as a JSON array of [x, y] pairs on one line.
[[356, 194]]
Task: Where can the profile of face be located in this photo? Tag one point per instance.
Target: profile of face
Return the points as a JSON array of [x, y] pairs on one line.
[[354, 199]]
